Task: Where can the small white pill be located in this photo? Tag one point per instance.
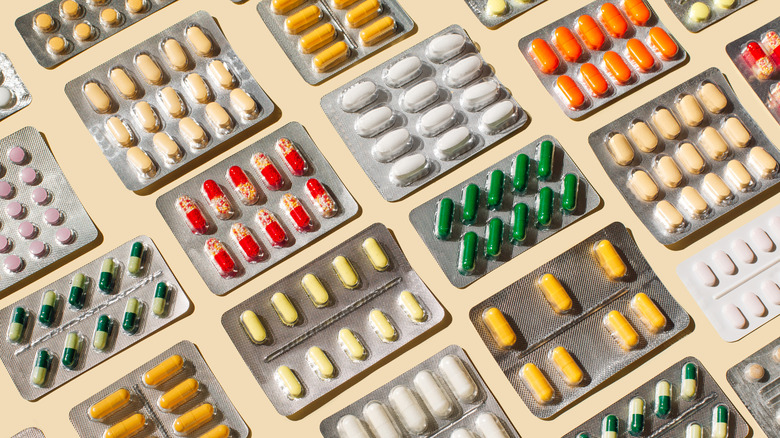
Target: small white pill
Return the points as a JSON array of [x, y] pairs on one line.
[[724, 262], [407, 407], [6, 97], [445, 47], [479, 95], [753, 304], [408, 169], [770, 291], [489, 426], [458, 379], [463, 71], [733, 316], [704, 274], [375, 121], [350, 426], [379, 421], [762, 240], [432, 393], [358, 96], [743, 251], [453, 143], [437, 120], [420, 96], [499, 116], [403, 71], [392, 145]]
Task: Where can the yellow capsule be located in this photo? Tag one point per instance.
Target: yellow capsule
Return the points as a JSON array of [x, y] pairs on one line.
[[178, 395], [123, 83], [382, 326], [346, 273], [567, 366], [499, 328], [647, 312], [97, 97], [175, 54], [351, 345], [220, 431], [315, 290], [253, 327], [377, 31], [303, 19], [285, 309], [538, 384], [341, 4], [127, 427], [117, 128], [221, 74], [199, 40], [411, 306], [320, 363], [282, 6], [164, 371], [317, 38], [331, 57], [610, 260], [191, 420], [290, 384], [109, 404], [555, 293], [621, 330], [376, 255], [363, 13], [149, 69]]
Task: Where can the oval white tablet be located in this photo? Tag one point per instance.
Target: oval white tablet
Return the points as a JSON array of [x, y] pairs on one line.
[[753, 304], [403, 71], [489, 426], [458, 379], [724, 262], [358, 96], [742, 251], [704, 274], [463, 71], [437, 120], [419, 96], [408, 409], [761, 240], [433, 395], [445, 47], [499, 116], [379, 420], [408, 169], [733, 316], [479, 95], [453, 143], [391, 145], [771, 291], [374, 121]]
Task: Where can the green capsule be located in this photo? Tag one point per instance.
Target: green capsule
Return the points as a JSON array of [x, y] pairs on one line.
[[494, 234], [48, 308], [160, 301], [470, 204], [609, 427], [544, 157], [544, 207], [693, 430], [569, 188], [70, 354], [583, 435], [444, 218], [102, 333], [468, 253], [40, 369], [136, 257], [636, 416], [689, 381], [519, 223], [77, 295], [130, 321], [106, 283], [720, 421], [17, 325], [495, 189], [663, 398], [520, 174]]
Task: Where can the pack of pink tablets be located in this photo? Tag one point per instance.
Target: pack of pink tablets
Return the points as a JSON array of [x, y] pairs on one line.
[[43, 221]]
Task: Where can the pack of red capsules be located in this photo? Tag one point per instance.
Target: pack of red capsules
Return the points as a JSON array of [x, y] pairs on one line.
[[312, 332], [494, 13], [61, 29], [43, 221], [755, 382], [166, 101], [757, 56], [735, 280], [30, 432], [687, 157], [600, 52], [423, 113], [324, 37], [697, 15], [682, 401], [75, 323], [442, 396], [598, 307], [13, 94], [257, 207], [499, 213], [174, 394]]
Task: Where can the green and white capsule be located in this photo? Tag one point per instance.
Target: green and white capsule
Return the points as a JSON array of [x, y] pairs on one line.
[[48, 308], [545, 154], [106, 281], [544, 207], [132, 316], [569, 188], [495, 189], [71, 351], [693, 430], [470, 204], [40, 371], [467, 258], [102, 333], [663, 399], [689, 377], [135, 262], [78, 292], [583, 435], [444, 216], [609, 426], [520, 173], [494, 233], [720, 421], [160, 302], [16, 325], [519, 223], [636, 416]]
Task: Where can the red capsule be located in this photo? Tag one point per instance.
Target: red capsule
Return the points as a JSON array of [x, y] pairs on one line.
[[220, 258], [268, 172], [296, 212], [321, 198], [294, 160], [271, 227], [217, 199], [758, 61], [772, 42], [246, 242], [192, 215], [244, 188]]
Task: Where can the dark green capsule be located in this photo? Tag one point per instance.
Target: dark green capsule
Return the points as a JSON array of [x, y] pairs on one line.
[[544, 158], [17, 325], [77, 294], [544, 207], [569, 189], [470, 204], [160, 301], [40, 369], [495, 189], [636, 416], [136, 257], [48, 308], [102, 332], [444, 218], [583, 435], [520, 175], [468, 253], [70, 354], [609, 426], [519, 222], [130, 321], [106, 282], [663, 398], [493, 237]]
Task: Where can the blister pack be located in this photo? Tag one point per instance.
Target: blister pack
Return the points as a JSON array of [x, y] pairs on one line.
[[494, 13], [313, 331], [44, 220], [694, 154], [697, 15], [322, 38], [30, 432], [616, 50], [88, 316], [13, 94], [174, 394], [499, 213], [61, 29], [757, 56], [598, 307], [166, 101], [423, 113], [443, 396], [683, 400], [280, 188], [755, 382], [734, 281]]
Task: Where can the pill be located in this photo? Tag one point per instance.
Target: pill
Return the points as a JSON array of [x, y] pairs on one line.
[[44, 22], [544, 205], [319, 37], [537, 383], [374, 122], [132, 316], [27, 230], [636, 416], [468, 253], [376, 255], [690, 158], [621, 330], [733, 316], [120, 131], [752, 304], [569, 188], [407, 407], [500, 329], [289, 382], [495, 7], [693, 201], [643, 136], [720, 421], [13, 263], [620, 149], [136, 6], [363, 13], [699, 12], [146, 116], [246, 191], [377, 31], [643, 185], [315, 290], [15, 210], [219, 71], [464, 71], [453, 143], [349, 426], [555, 293], [192, 215], [136, 258], [347, 275], [70, 10], [494, 189], [594, 79], [544, 56], [713, 144], [220, 258], [48, 312], [609, 260], [663, 399], [163, 371], [321, 199], [411, 306], [712, 98], [175, 54], [57, 45], [379, 419], [724, 262], [17, 325], [253, 327], [178, 395], [736, 132], [77, 294], [688, 381], [612, 20], [109, 404], [444, 214], [382, 326], [193, 132], [70, 353], [494, 231], [590, 32], [566, 365], [761, 240], [445, 47], [358, 96], [123, 83], [126, 428], [567, 45], [41, 366], [221, 431], [295, 212], [7, 98], [663, 43], [97, 97], [489, 426], [519, 222], [391, 145], [666, 123], [102, 332], [197, 87], [545, 154], [284, 309], [331, 57], [283, 6], [433, 395], [271, 228], [639, 54], [570, 91], [267, 170], [110, 17], [754, 372], [704, 274], [172, 102], [149, 69], [409, 169], [193, 419], [648, 313], [217, 199], [351, 345], [637, 11], [403, 71], [437, 120], [715, 188], [303, 19], [498, 117], [320, 363], [458, 379], [420, 96], [470, 201], [690, 110], [616, 67], [160, 300], [199, 41], [762, 162]]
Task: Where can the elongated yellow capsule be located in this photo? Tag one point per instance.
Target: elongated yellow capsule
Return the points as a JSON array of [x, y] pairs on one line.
[[289, 383], [178, 395], [499, 328], [555, 293], [377, 31], [331, 57], [351, 345], [647, 312], [621, 330], [303, 19], [315, 290], [191, 420], [411, 306], [109, 404], [346, 273], [382, 326], [253, 327], [127, 427], [536, 382], [221, 431], [164, 371], [285, 309], [567, 366], [283, 6], [363, 13], [317, 38], [319, 362], [610, 260], [376, 255]]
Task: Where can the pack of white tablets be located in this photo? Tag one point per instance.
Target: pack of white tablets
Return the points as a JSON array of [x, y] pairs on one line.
[[13, 94], [755, 380]]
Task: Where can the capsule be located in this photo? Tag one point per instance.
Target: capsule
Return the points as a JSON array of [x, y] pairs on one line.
[[379, 420], [40, 371], [77, 294], [376, 255], [221, 431], [253, 327], [377, 31], [555, 293], [617, 68], [499, 328], [284, 6], [444, 213], [319, 362], [693, 430], [109, 404], [382, 326], [544, 56], [571, 91], [458, 379], [295, 211], [132, 316], [544, 205], [758, 61], [411, 306], [545, 155], [537, 383], [494, 233], [321, 199], [222, 74], [217, 199], [569, 188], [663, 43], [351, 345], [470, 201], [350, 426], [637, 11], [433, 394], [609, 260], [468, 253], [495, 189], [640, 55], [621, 330], [246, 191], [663, 399], [70, 353], [178, 395], [720, 421], [411, 414], [347, 275], [520, 173], [134, 263], [609, 427], [163, 371], [315, 290], [192, 215], [613, 21], [126, 428], [193, 419], [271, 228], [689, 381], [284, 309], [317, 38], [48, 312], [519, 223], [303, 19], [102, 333], [246, 242], [590, 32], [17, 325], [220, 258], [567, 366], [567, 45], [160, 300], [636, 416], [593, 78], [331, 57], [648, 312], [363, 13], [268, 172], [291, 157]]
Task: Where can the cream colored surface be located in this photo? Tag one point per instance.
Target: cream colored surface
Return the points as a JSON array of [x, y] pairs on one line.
[[121, 215]]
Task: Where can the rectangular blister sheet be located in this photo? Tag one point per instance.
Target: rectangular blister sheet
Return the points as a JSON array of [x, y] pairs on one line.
[[59, 210], [465, 411], [19, 358], [446, 252], [30, 432], [596, 57], [344, 33], [123, 108], [755, 382], [594, 295], [347, 308], [682, 10], [144, 399], [318, 167], [513, 9], [646, 210], [683, 412], [419, 143], [10, 80]]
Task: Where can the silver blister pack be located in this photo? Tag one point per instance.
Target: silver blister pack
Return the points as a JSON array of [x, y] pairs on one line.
[[423, 113], [614, 45], [682, 408], [757, 56], [447, 253], [30, 432], [333, 31], [696, 16], [320, 333], [13, 94], [593, 298], [505, 10], [245, 268], [191, 389], [68, 22], [44, 221], [438, 397], [755, 382], [195, 104], [710, 141], [41, 326]]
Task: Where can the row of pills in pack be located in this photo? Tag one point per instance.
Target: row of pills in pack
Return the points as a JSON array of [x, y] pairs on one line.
[[494, 13], [697, 15]]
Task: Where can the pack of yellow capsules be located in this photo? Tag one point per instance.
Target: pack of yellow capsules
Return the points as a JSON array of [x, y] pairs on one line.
[[166, 101], [687, 157], [697, 15], [30, 432], [755, 380], [312, 332], [322, 38], [77, 322], [444, 396], [13, 94], [598, 308], [423, 113], [682, 401], [174, 394], [234, 223], [494, 13]]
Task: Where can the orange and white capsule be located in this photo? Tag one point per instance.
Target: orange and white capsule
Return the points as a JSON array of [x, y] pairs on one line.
[[217, 199], [271, 228], [220, 258], [295, 211], [321, 199]]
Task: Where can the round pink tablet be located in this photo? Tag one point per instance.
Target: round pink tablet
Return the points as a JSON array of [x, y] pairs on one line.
[[5, 244], [17, 155], [52, 216], [64, 235], [40, 196], [29, 176], [14, 209], [27, 230], [6, 190], [13, 263], [38, 249]]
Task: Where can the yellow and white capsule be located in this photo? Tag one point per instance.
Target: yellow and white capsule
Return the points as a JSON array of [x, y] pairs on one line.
[[621, 330], [351, 345], [537, 383], [346, 273], [315, 290], [567, 366], [555, 293], [319, 363], [284, 309], [647, 312], [411, 306], [382, 326], [376, 255], [610, 260]]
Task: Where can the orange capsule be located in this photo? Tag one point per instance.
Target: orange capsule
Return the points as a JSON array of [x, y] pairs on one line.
[[612, 20], [663, 43], [590, 32], [570, 91], [566, 44], [617, 67], [594, 79], [640, 55], [544, 56], [637, 11]]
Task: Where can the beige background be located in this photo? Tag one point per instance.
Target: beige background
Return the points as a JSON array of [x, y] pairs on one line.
[[121, 215]]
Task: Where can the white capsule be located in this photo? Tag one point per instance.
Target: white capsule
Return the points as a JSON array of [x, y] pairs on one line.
[[463, 71], [479, 95], [743, 251], [375, 121], [704, 274], [350, 426], [407, 407], [489, 426], [445, 47], [458, 379], [499, 116], [437, 120], [403, 71], [392, 145], [409, 169], [379, 421], [462, 433], [433, 394], [358, 96], [453, 143], [724, 262], [420, 96]]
